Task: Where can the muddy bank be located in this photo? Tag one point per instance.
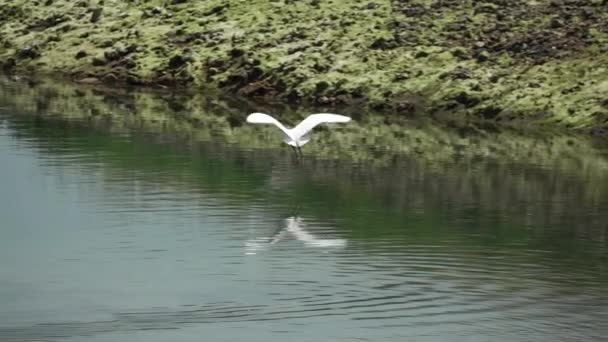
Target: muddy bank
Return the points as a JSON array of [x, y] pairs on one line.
[[503, 62]]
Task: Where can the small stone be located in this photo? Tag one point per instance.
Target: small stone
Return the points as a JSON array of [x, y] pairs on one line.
[[129, 63], [405, 107], [96, 14], [110, 79], [466, 99], [9, 64], [401, 76], [421, 54], [371, 6], [111, 55], [323, 100], [177, 61], [482, 56], [28, 52], [98, 61], [321, 87], [89, 80]]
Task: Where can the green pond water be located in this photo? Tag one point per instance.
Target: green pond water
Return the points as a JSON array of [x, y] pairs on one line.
[[121, 229]]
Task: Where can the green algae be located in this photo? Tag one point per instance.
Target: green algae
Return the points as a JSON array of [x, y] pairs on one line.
[[520, 63]]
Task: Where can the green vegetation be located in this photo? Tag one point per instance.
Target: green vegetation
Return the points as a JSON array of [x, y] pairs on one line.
[[502, 62]]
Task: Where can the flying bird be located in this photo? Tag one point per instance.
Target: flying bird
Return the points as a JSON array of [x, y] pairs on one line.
[[299, 135]]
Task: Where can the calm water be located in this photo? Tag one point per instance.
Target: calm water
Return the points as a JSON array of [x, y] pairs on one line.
[[129, 237]]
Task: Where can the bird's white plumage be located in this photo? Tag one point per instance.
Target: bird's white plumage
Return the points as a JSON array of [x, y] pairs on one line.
[[297, 136]]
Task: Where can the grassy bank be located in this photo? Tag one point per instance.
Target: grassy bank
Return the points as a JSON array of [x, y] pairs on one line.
[[506, 62]]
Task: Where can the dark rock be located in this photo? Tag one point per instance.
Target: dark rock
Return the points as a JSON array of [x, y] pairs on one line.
[[293, 96], [216, 63], [48, 2], [405, 107], [179, 60], [134, 80], [476, 87], [109, 79], [128, 63], [401, 76], [8, 64], [321, 87], [457, 74], [295, 49], [96, 14], [494, 78], [98, 61], [257, 88], [236, 52], [320, 67], [466, 99], [119, 53], [254, 74], [80, 54], [111, 55], [460, 53], [217, 9], [53, 38], [106, 43], [421, 54], [383, 44], [482, 56], [30, 52], [489, 112], [50, 21], [238, 78]]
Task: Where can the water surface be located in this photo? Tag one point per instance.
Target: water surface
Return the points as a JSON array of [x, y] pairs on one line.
[[129, 235]]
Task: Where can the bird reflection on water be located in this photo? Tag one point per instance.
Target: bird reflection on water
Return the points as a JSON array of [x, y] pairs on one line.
[[293, 227]]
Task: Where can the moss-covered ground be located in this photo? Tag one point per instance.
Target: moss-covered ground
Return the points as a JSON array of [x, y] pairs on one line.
[[516, 62]]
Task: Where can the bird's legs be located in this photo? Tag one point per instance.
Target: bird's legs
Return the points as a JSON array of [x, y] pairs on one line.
[[295, 152]]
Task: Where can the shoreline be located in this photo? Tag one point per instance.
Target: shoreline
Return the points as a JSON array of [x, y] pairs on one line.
[[373, 139]]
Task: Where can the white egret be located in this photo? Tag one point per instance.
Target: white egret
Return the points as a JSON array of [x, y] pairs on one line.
[[297, 136]]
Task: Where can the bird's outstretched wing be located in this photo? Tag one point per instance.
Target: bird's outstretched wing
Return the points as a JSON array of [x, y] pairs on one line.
[[316, 119], [261, 118]]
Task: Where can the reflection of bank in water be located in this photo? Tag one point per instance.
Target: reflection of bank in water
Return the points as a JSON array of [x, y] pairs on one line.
[[293, 227]]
